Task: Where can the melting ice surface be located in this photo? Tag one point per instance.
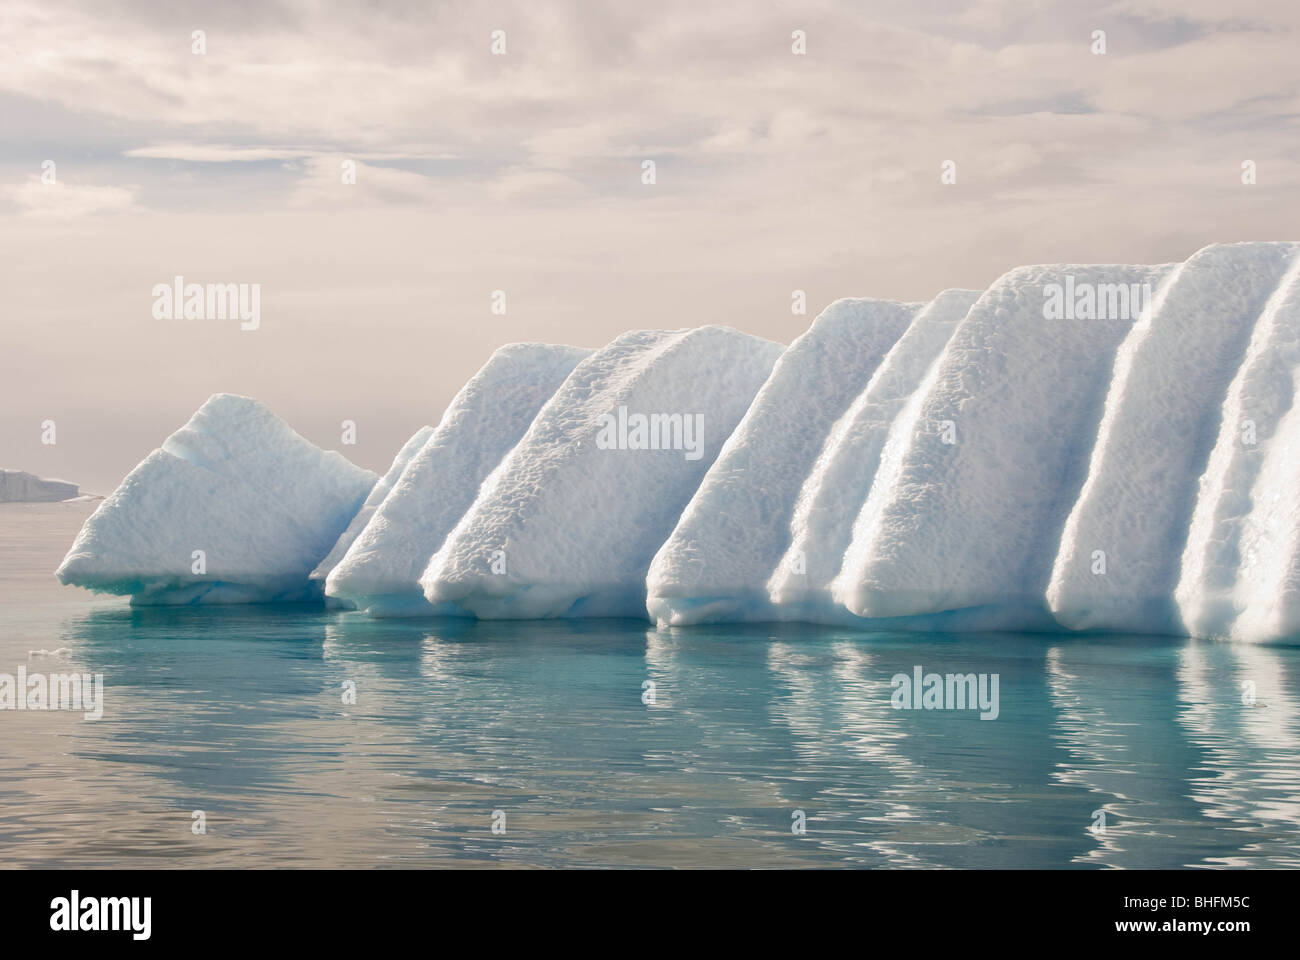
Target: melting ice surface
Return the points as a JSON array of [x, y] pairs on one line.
[[1126, 462]]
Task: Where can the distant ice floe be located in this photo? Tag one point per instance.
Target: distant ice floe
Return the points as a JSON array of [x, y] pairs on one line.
[[1108, 448], [18, 486]]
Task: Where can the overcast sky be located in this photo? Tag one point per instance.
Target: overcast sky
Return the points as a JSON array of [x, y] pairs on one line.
[[522, 172]]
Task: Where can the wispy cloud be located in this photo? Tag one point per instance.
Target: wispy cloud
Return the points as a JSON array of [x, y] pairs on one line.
[[67, 201]]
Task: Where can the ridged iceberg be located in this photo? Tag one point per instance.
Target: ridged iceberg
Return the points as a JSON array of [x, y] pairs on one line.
[[380, 571], [1077, 448], [567, 526], [833, 492], [1238, 534], [716, 563], [235, 507], [965, 511], [1120, 554], [378, 494]]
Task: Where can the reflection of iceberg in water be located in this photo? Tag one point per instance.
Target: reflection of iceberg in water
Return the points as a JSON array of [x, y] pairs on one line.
[[1247, 774], [722, 760], [1118, 727], [238, 711], [929, 787], [835, 703]]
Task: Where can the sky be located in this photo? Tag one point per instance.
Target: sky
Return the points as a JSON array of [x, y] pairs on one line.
[[521, 169]]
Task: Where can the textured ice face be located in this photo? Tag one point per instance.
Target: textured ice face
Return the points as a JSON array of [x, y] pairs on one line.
[[381, 569], [732, 534], [1266, 592], [378, 493], [971, 492], [833, 492], [1246, 505], [234, 507], [568, 523], [1162, 419]]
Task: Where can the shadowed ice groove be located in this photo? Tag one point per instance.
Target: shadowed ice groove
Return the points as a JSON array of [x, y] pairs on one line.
[[716, 562], [1268, 582], [1116, 718], [380, 571], [832, 494], [568, 523], [1259, 398], [966, 510], [1119, 557], [377, 495]]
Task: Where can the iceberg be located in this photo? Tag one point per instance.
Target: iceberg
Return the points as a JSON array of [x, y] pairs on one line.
[[235, 507], [380, 570], [568, 523], [716, 563], [833, 493], [18, 486], [1120, 555], [377, 495], [1252, 466], [1078, 448], [966, 507], [1266, 594]]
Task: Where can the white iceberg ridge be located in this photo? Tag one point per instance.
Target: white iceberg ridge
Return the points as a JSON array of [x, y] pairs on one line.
[[716, 563], [564, 527], [234, 507], [1077, 448], [381, 568]]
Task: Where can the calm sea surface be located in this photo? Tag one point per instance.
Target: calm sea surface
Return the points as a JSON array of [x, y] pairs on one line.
[[239, 712]]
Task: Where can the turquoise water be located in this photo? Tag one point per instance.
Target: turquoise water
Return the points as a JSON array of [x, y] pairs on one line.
[[239, 713]]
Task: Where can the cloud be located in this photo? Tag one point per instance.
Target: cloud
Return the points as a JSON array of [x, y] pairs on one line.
[[323, 182], [65, 201], [214, 153], [711, 91]]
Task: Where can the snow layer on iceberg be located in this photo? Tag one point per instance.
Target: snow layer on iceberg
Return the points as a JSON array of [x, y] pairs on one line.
[[968, 502], [1162, 419], [234, 507], [833, 493], [381, 570], [568, 523], [1259, 399], [716, 563], [377, 495]]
